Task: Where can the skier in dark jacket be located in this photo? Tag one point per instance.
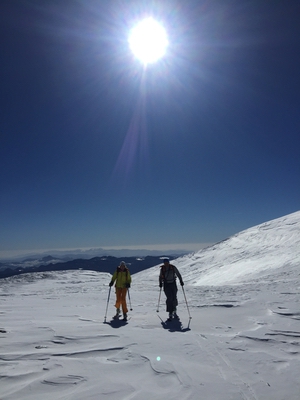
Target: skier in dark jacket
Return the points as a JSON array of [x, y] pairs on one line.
[[167, 279]]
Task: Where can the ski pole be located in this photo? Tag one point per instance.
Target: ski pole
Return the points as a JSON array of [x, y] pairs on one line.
[[187, 306], [158, 301], [129, 299], [107, 303]]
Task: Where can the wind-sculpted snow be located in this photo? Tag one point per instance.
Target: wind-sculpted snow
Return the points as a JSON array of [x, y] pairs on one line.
[[242, 343]]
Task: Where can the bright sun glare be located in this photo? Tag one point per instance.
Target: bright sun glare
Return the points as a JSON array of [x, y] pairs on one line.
[[148, 41]]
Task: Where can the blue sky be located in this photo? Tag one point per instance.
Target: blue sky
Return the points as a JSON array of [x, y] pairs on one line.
[[96, 150]]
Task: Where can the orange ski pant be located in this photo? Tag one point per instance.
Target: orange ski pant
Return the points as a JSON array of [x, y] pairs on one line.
[[121, 299]]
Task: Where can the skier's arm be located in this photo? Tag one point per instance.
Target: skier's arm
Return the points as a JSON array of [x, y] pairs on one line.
[[113, 278], [179, 276], [128, 282], [160, 279]]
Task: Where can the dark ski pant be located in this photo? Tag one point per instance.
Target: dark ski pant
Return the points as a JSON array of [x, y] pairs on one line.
[[170, 290]]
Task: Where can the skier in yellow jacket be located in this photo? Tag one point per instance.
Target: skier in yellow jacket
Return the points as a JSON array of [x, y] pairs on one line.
[[123, 280]]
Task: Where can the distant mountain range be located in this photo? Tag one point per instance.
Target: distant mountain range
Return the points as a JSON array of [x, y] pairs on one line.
[[85, 253], [100, 264]]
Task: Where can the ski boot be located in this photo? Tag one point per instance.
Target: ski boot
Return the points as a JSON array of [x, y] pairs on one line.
[[170, 316], [175, 316], [125, 317], [117, 314]]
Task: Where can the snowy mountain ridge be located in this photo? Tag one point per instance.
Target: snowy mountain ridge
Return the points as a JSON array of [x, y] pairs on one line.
[[255, 253]]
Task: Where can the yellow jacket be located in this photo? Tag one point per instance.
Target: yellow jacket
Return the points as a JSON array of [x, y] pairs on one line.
[[122, 278]]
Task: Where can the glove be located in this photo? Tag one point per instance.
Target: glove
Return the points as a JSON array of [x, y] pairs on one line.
[[111, 283], [128, 285], [160, 285], [181, 283]]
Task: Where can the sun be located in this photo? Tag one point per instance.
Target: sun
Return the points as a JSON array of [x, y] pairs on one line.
[[148, 41]]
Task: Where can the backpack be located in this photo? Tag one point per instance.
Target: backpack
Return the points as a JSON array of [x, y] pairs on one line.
[[168, 275]]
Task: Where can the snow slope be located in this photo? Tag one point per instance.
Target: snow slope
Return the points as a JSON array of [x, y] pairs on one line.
[[243, 341], [256, 253]]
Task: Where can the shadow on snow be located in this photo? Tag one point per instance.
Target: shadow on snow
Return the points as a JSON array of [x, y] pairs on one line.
[[174, 326], [116, 323]]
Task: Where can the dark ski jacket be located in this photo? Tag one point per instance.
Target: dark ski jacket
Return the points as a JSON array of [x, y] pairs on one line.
[[168, 274]]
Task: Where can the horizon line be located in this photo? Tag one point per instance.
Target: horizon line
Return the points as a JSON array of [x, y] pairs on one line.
[[5, 254]]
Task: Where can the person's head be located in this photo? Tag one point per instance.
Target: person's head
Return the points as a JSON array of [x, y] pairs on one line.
[[166, 261], [122, 265]]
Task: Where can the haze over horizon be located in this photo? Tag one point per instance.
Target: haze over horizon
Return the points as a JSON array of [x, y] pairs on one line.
[[97, 150], [163, 248]]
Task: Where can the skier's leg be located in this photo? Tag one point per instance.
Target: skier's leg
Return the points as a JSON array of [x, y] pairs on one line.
[[118, 298], [123, 300], [172, 298], [175, 301], [118, 302], [169, 297]]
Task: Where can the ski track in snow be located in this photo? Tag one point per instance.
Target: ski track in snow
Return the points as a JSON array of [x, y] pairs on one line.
[[242, 343]]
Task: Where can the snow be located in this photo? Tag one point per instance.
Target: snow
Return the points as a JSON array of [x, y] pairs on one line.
[[243, 341]]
